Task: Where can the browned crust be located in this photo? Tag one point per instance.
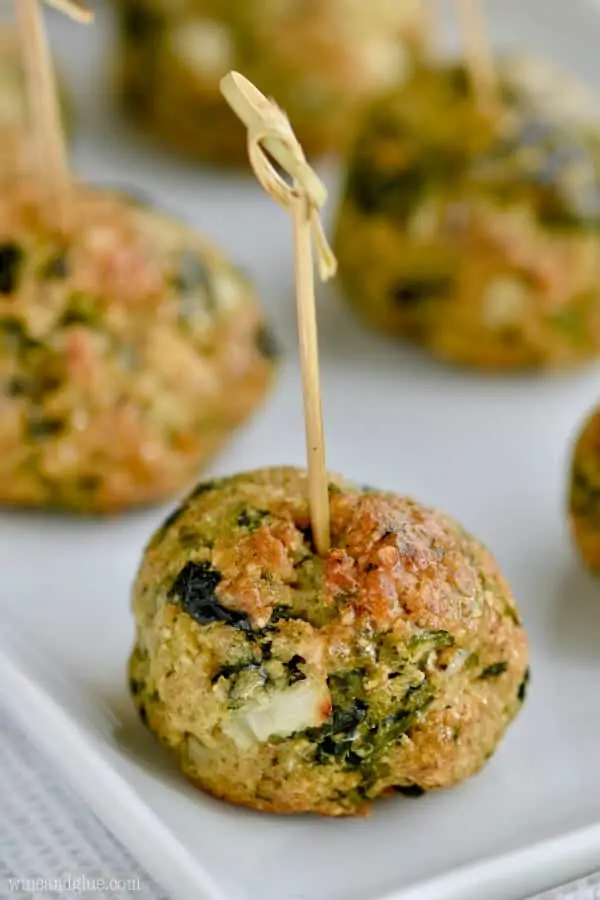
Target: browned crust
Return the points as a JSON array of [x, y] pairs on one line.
[[407, 611]]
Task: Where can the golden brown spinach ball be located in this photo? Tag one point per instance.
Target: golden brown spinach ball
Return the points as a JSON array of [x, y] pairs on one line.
[[477, 234], [318, 58], [290, 683], [129, 350], [584, 492]]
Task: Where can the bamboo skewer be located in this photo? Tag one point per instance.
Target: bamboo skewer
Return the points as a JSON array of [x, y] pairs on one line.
[[74, 9], [429, 24], [47, 132], [309, 361], [477, 50], [269, 130]]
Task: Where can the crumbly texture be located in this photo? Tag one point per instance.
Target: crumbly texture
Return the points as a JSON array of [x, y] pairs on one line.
[[129, 350], [16, 149], [476, 233], [318, 58], [584, 492], [292, 683]]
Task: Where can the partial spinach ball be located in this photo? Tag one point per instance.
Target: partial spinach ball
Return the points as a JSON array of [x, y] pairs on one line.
[[475, 231], [292, 683], [320, 58], [584, 492], [130, 349]]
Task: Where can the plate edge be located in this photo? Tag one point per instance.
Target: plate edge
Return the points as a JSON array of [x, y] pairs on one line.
[[21, 694]]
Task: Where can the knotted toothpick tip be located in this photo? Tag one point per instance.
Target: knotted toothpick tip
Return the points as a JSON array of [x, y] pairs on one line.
[[74, 9], [270, 132]]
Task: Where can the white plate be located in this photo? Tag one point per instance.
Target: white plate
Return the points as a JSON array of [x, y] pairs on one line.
[[490, 451]]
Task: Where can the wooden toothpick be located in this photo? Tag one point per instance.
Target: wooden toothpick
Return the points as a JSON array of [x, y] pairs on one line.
[[428, 28], [47, 133], [477, 50], [74, 9], [269, 132], [429, 25]]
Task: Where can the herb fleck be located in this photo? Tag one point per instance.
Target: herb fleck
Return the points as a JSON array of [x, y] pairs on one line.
[[393, 192], [55, 267], [410, 790], [138, 24], [494, 670], [230, 670], [251, 518], [89, 482], [410, 291], [11, 257], [267, 344], [135, 686], [16, 386], [195, 588], [42, 428], [294, 671], [81, 310], [283, 614], [204, 487], [193, 276], [15, 335], [439, 639], [522, 690]]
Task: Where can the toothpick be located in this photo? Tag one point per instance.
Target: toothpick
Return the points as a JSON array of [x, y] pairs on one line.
[[428, 23], [74, 9], [43, 98], [428, 29], [269, 130], [477, 50]]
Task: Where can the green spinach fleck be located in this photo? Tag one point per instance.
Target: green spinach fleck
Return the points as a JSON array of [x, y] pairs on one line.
[[194, 588], [11, 259], [194, 284], [82, 309], [143, 714], [204, 487], [438, 639], [17, 386], [522, 689], [294, 672], [89, 482], [135, 687], [354, 736], [56, 267], [40, 428], [15, 336], [251, 518], [267, 343], [410, 790], [494, 670], [413, 290]]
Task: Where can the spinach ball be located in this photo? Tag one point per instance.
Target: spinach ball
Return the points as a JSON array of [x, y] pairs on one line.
[[320, 58], [584, 492], [475, 231], [291, 683], [130, 349]]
